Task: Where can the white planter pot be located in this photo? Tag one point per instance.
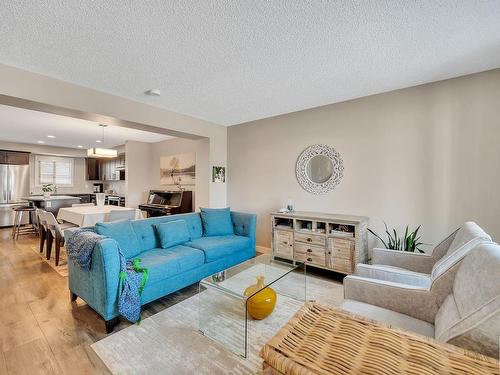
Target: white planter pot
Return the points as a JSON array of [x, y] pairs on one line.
[[46, 194]]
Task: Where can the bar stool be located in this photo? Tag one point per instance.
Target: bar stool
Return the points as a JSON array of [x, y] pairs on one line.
[[19, 213]]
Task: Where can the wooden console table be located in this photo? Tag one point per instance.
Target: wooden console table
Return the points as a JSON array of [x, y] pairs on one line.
[[327, 341], [329, 241]]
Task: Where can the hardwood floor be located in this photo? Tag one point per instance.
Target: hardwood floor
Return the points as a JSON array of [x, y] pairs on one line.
[[41, 331]]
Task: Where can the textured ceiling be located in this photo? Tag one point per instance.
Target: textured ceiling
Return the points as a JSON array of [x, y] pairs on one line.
[[26, 126], [235, 61]]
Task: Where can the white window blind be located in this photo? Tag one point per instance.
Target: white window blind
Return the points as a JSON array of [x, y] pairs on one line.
[[58, 171]]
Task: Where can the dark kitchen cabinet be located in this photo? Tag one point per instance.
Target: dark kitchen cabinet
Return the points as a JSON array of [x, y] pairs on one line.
[[14, 157], [92, 169], [106, 169]]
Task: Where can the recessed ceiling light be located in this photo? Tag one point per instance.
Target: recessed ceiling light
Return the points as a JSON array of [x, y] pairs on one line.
[[51, 136], [79, 146], [40, 141], [98, 141], [153, 92]]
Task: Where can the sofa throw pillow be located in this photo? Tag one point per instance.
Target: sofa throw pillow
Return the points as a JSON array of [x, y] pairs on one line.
[[217, 221], [123, 233], [172, 233]]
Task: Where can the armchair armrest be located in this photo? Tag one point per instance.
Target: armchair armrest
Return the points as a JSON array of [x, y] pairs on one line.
[[414, 301], [416, 262], [375, 271], [98, 286], [244, 224]]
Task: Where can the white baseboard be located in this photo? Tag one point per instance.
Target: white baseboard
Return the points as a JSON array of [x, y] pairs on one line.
[[263, 250]]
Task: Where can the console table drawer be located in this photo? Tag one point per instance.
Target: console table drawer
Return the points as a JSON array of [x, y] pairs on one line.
[[341, 264], [312, 239], [341, 248], [310, 254]]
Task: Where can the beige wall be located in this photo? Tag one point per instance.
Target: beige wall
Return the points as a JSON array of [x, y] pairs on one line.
[[425, 155], [114, 110], [180, 146], [143, 168], [138, 158]]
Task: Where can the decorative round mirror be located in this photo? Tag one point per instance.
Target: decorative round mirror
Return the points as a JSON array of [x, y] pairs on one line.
[[319, 169]]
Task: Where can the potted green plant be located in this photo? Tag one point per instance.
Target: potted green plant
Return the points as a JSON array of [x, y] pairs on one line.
[[409, 242], [48, 189]]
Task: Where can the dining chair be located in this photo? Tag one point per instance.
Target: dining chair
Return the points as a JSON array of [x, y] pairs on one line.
[[42, 227], [82, 204], [115, 215], [55, 233]]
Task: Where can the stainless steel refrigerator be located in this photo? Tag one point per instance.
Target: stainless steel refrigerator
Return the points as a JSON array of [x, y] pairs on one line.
[[14, 185]]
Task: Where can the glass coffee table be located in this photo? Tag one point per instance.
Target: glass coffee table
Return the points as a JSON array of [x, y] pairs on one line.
[[223, 314]]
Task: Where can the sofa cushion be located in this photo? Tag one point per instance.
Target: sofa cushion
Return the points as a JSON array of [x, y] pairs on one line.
[[172, 233], [123, 233], [146, 232], [217, 247], [217, 221], [165, 263], [388, 317]]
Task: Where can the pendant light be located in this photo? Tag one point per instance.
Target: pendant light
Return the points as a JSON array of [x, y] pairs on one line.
[[96, 152]]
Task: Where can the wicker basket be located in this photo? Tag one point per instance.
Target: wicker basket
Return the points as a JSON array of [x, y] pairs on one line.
[[323, 340]]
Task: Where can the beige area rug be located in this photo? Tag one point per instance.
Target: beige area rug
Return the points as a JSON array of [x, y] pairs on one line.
[[170, 343], [62, 268]]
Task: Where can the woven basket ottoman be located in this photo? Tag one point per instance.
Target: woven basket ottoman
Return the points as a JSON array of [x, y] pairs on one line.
[[324, 340]]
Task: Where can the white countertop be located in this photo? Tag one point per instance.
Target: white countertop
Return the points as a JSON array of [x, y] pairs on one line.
[[38, 198]]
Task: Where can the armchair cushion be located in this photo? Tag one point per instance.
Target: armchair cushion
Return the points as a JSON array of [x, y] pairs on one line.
[[406, 299], [217, 221], [123, 233], [389, 317]]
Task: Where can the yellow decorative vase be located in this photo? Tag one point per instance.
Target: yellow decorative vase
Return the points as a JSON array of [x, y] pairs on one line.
[[261, 305]]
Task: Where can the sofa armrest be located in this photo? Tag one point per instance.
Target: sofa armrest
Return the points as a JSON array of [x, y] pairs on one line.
[[414, 301], [244, 224], [68, 232], [416, 262], [99, 285]]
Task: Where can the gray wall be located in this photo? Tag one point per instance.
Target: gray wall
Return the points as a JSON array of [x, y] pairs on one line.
[[425, 155]]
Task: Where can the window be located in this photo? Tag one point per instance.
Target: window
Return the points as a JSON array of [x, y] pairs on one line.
[[54, 170]]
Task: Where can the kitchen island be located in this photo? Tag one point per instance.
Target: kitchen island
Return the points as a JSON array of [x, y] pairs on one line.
[[52, 203]]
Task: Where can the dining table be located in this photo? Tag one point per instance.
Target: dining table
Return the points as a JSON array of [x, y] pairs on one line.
[[85, 216]]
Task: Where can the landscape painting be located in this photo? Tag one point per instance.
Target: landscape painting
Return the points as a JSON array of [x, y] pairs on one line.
[[178, 170]]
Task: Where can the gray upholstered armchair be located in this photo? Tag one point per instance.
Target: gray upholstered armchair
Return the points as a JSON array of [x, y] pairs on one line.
[[415, 293], [469, 315]]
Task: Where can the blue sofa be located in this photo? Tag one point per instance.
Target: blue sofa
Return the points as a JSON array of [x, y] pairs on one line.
[[170, 269]]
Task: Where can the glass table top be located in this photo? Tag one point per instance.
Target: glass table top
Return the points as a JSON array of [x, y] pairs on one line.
[[236, 279]]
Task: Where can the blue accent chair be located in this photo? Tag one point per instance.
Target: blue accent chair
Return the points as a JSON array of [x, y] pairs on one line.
[[170, 269]]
